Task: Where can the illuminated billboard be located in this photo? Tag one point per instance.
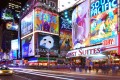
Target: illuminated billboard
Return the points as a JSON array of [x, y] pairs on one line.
[[80, 25], [14, 44], [103, 20], [27, 24], [12, 26], [46, 43], [65, 34], [46, 21], [13, 54], [7, 14], [28, 46]]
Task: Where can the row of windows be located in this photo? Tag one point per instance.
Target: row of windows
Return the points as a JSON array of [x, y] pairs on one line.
[[51, 3]]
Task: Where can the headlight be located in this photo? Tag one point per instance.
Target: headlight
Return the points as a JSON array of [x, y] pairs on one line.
[[10, 71], [1, 72]]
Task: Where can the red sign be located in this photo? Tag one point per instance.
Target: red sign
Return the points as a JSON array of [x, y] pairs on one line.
[[108, 42], [118, 43]]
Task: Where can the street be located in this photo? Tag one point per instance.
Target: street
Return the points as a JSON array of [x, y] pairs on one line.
[[30, 74]]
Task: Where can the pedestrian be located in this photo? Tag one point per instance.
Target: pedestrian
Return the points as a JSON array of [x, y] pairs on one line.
[[90, 68], [97, 68], [86, 68], [80, 68]]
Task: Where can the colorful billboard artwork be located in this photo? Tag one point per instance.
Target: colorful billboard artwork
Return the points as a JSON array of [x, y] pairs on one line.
[[27, 47], [80, 25], [27, 24], [104, 26], [7, 14], [13, 54], [12, 26], [99, 6], [46, 21], [48, 42], [65, 40], [65, 35]]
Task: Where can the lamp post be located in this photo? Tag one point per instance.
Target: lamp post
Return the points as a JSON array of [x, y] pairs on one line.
[[48, 56]]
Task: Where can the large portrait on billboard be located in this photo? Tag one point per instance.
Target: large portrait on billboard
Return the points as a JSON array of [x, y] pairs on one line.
[[103, 21], [27, 24], [27, 46], [80, 25], [47, 44], [46, 21], [65, 34]]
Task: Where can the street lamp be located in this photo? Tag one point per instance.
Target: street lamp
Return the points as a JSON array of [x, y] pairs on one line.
[[48, 55]]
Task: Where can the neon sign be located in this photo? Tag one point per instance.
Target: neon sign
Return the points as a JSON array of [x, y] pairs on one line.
[[65, 24], [83, 52], [109, 41], [100, 6]]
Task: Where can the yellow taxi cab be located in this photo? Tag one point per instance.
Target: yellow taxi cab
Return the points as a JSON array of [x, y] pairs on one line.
[[5, 71]]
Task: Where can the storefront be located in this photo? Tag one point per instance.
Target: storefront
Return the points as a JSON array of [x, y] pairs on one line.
[[42, 61], [80, 56]]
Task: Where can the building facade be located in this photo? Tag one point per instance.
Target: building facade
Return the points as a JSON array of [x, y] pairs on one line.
[[39, 32], [95, 34]]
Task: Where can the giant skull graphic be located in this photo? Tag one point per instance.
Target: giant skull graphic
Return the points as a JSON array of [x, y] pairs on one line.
[[47, 42]]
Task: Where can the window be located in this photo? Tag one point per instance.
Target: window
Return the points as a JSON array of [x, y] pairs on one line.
[[44, 1], [52, 4]]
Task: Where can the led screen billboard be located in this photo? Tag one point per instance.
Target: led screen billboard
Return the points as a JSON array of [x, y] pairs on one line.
[[65, 34], [14, 44], [13, 54], [46, 43], [80, 25], [12, 26], [7, 14], [46, 21], [28, 46], [103, 20], [27, 24]]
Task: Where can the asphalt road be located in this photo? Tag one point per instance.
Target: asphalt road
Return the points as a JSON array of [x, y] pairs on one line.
[[38, 75]]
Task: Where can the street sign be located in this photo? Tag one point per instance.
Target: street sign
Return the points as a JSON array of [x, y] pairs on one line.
[[37, 55]]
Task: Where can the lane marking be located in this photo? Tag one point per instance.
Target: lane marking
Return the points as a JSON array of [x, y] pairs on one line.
[[108, 76], [36, 72], [47, 75]]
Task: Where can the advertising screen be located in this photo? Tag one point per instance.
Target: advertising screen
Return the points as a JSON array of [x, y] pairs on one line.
[[47, 44], [14, 44], [27, 46], [65, 34], [46, 21], [80, 25], [13, 54], [103, 20], [27, 24], [12, 26], [7, 14]]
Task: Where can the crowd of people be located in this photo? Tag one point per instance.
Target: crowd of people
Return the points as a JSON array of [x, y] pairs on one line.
[[105, 68]]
